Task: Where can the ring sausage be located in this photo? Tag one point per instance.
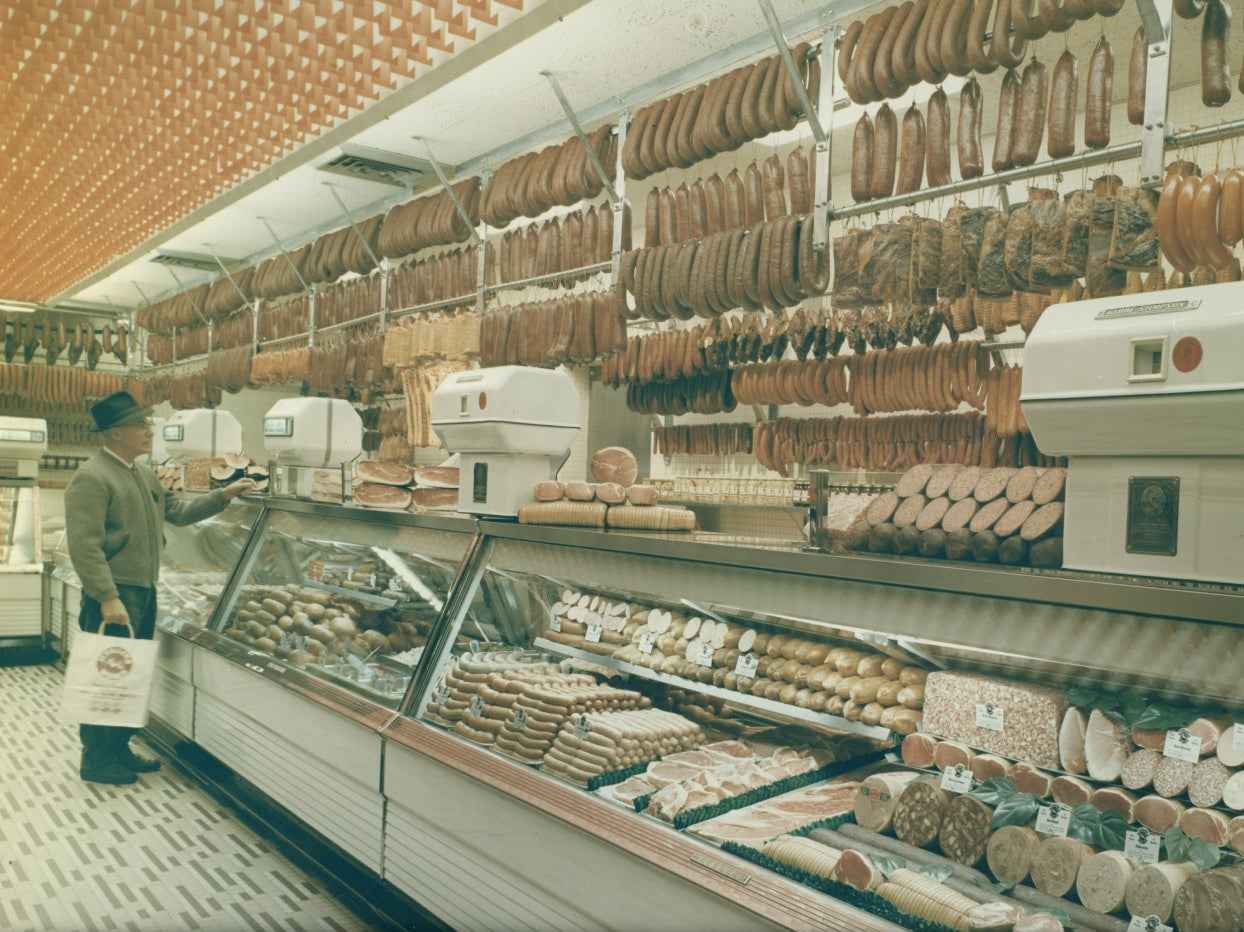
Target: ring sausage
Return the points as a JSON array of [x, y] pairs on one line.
[[1025, 24], [1007, 52], [979, 57], [883, 63], [1063, 93], [885, 155], [971, 161], [1205, 223], [1099, 96], [937, 139], [1030, 113], [1137, 77], [846, 48], [1054, 17], [1231, 208], [954, 39], [860, 74], [911, 157], [1184, 228], [903, 57], [934, 18], [1215, 72], [862, 159]]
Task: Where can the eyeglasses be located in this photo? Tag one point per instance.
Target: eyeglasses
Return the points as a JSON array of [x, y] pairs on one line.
[[146, 424]]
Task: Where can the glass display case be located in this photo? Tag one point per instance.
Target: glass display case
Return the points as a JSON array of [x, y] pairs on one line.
[[198, 560], [347, 595]]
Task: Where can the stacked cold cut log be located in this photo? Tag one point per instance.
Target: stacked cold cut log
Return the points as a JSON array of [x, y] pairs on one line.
[[1005, 515]]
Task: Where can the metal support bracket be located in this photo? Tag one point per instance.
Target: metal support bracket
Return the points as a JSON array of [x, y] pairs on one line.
[[302, 281], [821, 191], [186, 294], [574, 121], [350, 220], [1156, 16], [440, 173], [232, 280], [481, 273], [619, 206], [775, 29]]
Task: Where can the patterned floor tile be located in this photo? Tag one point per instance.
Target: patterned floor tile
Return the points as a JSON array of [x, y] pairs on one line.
[[158, 855]]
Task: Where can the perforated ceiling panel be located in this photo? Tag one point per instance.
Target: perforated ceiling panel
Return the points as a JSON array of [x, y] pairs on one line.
[[122, 116]]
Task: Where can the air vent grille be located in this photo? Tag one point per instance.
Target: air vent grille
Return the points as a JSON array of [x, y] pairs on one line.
[[381, 167], [186, 260]]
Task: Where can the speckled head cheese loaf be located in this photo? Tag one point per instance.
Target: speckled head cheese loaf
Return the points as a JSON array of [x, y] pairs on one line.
[[1030, 715]]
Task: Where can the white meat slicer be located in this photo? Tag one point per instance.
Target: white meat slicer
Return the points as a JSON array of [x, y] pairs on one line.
[[1145, 395], [308, 435], [200, 432], [511, 427], [23, 440]]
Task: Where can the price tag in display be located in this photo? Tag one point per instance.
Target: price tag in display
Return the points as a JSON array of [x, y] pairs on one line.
[[1237, 736], [647, 641], [315, 571], [875, 794], [395, 584], [1142, 845], [581, 727], [1147, 924], [989, 716], [520, 719], [704, 654], [746, 666], [957, 779], [555, 622], [477, 706], [1054, 819], [473, 647], [593, 634], [442, 694], [1183, 745]]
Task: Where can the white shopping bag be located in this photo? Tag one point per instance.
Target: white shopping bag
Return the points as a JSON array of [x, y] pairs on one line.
[[108, 680]]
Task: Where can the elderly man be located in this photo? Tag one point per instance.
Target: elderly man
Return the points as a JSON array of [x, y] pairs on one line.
[[115, 511]]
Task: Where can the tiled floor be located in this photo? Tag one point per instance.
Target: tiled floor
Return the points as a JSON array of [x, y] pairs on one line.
[[158, 855]]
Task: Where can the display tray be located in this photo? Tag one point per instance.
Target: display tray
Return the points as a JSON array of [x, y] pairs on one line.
[[383, 670]]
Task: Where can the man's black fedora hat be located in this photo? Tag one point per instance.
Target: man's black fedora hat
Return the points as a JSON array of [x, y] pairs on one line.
[[116, 410]]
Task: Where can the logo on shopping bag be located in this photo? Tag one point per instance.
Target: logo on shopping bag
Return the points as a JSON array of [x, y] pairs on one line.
[[115, 663]]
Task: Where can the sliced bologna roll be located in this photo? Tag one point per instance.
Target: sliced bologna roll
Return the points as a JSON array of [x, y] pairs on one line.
[[1233, 799], [909, 510], [1045, 520], [1229, 754], [1014, 519], [1208, 781], [939, 482], [988, 514], [951, 753], [987, 766], [882, 508], [1209, 824], [931, 515], [965, 483], [914, 480], [1029, 779], [1021, 484], [993, 483], [1071, 741], [959, 515], [1172, 776], [1139, 768], [1056, 864], [1111, 797], [1049, 486]]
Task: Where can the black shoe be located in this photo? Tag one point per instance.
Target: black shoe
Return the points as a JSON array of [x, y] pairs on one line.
[[140, 764], [113, 774]]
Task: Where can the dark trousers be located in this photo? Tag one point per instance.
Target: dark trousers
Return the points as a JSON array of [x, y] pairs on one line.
[[104, 745]]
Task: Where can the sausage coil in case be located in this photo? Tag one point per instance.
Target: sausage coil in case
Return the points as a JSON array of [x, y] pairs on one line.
[[1145, 394]]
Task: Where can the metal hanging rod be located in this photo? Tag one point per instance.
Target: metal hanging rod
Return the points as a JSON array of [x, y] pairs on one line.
[[1071, 163], [552, 276], [440, 173], [578, 128], [353, 226], [466, 300]]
